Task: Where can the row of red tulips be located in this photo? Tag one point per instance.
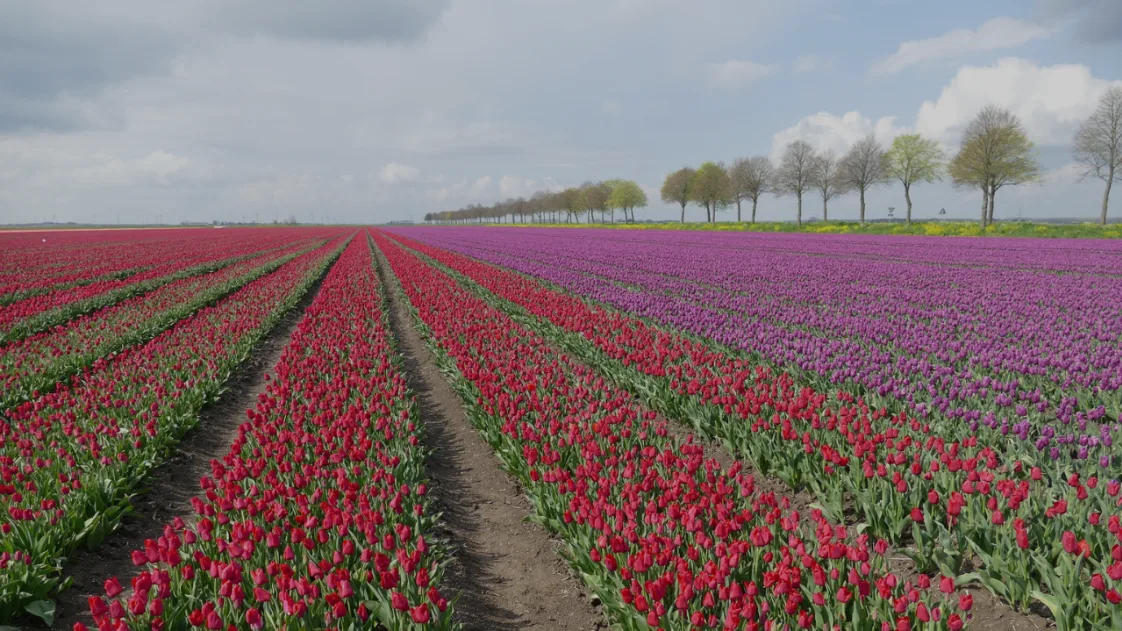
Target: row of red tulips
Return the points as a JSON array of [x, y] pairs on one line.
[[186, 258], [33, 365], [36, 263], [664, 536], [70, 460], [317, 517], [1037, 532]]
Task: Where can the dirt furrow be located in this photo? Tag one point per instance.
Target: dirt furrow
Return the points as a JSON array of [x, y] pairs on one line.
[[506, 572]]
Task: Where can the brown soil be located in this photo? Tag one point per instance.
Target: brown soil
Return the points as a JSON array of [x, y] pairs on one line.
[[176, 481], [506, 572]]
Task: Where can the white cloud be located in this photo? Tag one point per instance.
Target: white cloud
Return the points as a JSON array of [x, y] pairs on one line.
[[826, 131], [513, 186], [481, 185], [438, 194], [1069, 173], [810, 63], [996, 34], [736, 73], [1050, 100], [395, 173]]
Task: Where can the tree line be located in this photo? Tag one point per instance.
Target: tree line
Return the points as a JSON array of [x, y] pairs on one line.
[[994, 153], [573, 203]]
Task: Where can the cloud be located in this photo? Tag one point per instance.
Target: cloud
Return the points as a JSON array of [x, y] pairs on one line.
[[611, 107], [736, 73], [811, 63], [996, 34], [333, 20], [397, 173], [1096, 21], [1069, 173], [513, 186], [825, 131], [481, 185], [53, 53], [1050, 100]]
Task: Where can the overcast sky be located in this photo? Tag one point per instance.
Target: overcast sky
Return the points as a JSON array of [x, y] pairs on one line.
[[362, 110]]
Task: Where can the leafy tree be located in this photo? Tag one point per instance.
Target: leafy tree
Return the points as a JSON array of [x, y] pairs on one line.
[[572, 202], [863, 167], [676, 188], [1098, 144], [826, 178], [627, 196], [712, 189], [913, 159], [995, 152], [795, 174]]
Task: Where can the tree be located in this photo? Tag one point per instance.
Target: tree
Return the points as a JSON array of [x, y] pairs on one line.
[[711, 188], [627, 196], [596, 198], [676, 188], [572, 202], [795, 173], [863, 168], [1098, 144], [740, 182], [995, 152], [913, 159], [759, 179], [825, 177]]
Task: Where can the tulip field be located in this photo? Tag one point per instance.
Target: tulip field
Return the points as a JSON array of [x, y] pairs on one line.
[[718, 430]]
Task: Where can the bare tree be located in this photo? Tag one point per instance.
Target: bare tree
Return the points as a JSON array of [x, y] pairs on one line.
[[759, 179], [676, 188], [740, 182], [863, 167], [795, 173], [826, 178], [1098, 144]]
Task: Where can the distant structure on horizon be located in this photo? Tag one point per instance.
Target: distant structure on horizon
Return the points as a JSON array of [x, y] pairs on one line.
[[401, 222]]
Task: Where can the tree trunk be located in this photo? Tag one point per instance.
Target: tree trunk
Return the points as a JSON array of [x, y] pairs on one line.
[[1106, 197], [985, 205], [799, 214], [993, 194], [738, 220], [862, 207], [683, 212], [708, 214], [754, 200], [908, 197], [825, 209], [614, 215]]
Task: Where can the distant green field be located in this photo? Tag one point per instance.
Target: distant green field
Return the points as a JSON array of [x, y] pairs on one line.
[[933, 228]]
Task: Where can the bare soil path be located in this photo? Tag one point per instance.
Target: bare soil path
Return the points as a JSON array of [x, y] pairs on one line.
[[507, 573]]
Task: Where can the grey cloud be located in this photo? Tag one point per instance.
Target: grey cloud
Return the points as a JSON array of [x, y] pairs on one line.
[[1096, 21], [341, 20], [52, 49]]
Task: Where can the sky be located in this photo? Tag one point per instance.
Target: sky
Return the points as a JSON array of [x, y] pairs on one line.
[[359, 111]]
